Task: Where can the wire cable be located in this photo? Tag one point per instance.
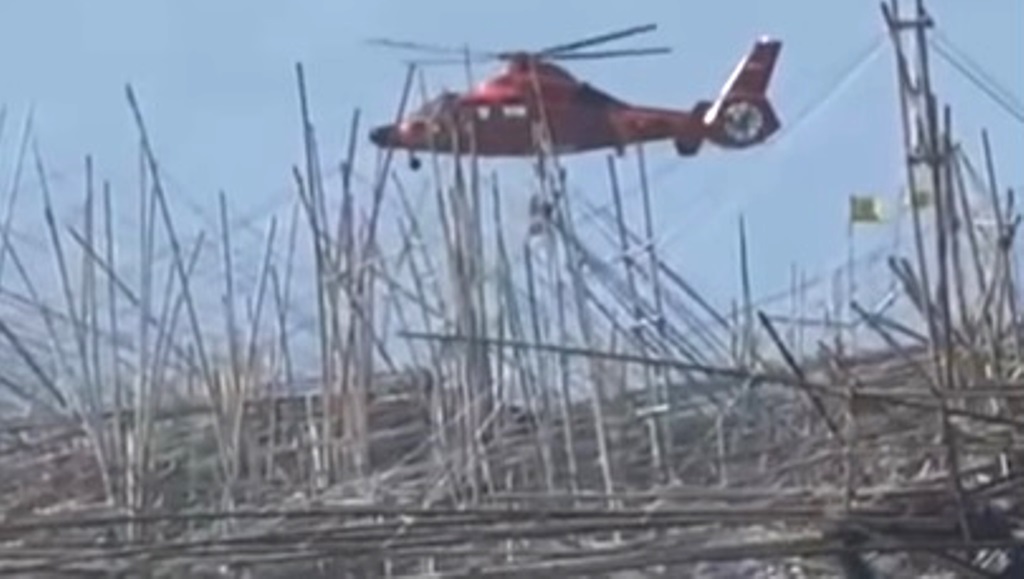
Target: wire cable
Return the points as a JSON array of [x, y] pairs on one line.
[[976, 76], [964, 57]]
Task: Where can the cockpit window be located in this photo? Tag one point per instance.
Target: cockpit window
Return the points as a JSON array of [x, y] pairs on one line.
[[443, 104]]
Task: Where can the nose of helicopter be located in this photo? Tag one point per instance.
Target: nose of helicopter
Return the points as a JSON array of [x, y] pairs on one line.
[[382, 135]]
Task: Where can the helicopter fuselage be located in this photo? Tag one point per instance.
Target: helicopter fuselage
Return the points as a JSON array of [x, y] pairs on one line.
[[534, 106]]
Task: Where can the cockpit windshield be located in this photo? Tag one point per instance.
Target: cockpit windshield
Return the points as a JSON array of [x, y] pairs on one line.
[[440, 105]]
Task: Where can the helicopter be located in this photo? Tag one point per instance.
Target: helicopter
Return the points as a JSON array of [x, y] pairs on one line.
[[534, 103]]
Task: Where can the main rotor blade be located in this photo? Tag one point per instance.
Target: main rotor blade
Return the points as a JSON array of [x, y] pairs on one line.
[[401, 44], [609, 53], [602, 38], [430, 48], [473, 58]]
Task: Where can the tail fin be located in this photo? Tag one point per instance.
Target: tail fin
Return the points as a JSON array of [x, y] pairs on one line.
[[742, 115], [752, 75]]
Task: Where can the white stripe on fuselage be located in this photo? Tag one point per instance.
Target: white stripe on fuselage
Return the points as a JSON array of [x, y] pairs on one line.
[[712, 112]]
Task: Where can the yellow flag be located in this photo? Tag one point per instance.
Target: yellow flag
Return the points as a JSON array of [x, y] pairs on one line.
[[865, 209]]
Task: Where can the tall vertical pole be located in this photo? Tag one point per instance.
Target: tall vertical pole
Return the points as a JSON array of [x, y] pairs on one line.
[[909, 107], [927, 154], [851, 281], [638, 330], [662, 428], [747, 341], [934, 159]]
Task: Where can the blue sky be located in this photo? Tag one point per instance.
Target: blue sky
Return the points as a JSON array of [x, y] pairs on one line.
[[216, 81]]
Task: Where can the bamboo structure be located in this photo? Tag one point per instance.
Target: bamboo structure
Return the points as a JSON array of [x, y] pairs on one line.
[[501, 403]]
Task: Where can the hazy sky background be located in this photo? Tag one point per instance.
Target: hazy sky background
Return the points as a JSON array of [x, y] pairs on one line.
[[216, 82]]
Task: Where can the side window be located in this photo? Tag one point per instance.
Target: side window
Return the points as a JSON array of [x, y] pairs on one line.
[[514, 111]]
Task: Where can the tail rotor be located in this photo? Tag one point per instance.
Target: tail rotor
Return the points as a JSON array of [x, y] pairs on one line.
[[742, 116]]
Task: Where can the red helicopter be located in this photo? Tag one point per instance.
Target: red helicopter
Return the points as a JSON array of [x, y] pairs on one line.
[[504, 115]]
